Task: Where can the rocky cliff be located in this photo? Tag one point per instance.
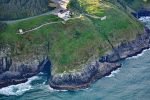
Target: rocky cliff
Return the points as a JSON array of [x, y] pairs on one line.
[[83, 79], [103, 67], [14, 70], [69, 45]]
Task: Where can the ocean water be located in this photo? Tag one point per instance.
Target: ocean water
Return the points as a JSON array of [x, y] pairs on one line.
[[130, 82]]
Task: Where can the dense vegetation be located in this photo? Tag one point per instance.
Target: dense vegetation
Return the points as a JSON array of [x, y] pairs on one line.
[[14, 9], [73, 43], [136, 4]]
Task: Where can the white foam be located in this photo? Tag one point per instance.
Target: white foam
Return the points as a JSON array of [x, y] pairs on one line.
[[55, 90], [113, 73], [18, 89], [145, 19]]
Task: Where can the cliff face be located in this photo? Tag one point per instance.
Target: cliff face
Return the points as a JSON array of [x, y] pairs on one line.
[[84, 78], [104, 66], [14, 70], [14, 9]]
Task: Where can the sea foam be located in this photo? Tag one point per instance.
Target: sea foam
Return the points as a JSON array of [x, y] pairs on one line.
[[55, 90], [18, 89], [145, 20], [113, 73]]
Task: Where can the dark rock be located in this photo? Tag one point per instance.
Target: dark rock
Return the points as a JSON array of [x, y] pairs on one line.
[[129, 49], [13, 72], [10, 75], [5, 63], [12, 82], [11, 78], [84, 78]]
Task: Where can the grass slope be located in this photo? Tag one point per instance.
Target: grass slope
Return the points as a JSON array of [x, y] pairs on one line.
[[72, 44]]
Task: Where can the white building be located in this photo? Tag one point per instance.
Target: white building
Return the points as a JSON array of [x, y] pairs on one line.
[[20, 31], [64, 15]]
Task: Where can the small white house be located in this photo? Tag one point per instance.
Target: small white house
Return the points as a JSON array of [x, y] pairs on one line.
[[64, 15], [20, 31]]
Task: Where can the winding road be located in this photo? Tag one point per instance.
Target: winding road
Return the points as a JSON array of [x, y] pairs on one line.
[[93, 16], [36, 28], [45, 24]]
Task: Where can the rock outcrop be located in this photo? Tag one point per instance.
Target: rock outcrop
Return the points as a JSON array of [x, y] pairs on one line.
[[84, 78], [103, 67], [14, 70], [129, 49]]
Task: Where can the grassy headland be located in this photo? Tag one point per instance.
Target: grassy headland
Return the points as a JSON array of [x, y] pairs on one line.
[[73, 43]]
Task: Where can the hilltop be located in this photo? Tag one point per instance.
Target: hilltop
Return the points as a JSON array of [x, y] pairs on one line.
[[94, 30]]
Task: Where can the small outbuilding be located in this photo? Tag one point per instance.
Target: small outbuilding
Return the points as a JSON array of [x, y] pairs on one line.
[[20, 31]]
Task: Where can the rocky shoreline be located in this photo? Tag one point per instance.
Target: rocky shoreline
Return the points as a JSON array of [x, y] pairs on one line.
[[13, 72], [83, 79], [106, 64], [102, 67]]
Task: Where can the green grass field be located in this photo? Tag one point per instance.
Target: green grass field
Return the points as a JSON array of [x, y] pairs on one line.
[[71, 44]]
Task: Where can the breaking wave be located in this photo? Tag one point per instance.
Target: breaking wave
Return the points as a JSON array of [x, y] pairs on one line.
[[145, 20], [113, 73], [20, 88]]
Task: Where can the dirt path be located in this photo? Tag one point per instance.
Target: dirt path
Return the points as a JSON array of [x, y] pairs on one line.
[[39, 27], [46, 25], [93, 16]]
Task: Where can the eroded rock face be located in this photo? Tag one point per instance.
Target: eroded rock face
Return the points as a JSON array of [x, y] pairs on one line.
[[83, 79], [15, 72], [129, 49], [17, 69], [103, 67], [14, 9]]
